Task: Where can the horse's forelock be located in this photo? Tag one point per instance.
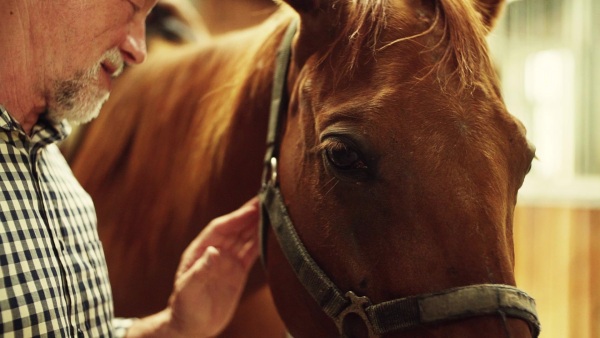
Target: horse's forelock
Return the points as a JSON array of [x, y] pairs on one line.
[[463, 36], [466, 44], [361, 26]]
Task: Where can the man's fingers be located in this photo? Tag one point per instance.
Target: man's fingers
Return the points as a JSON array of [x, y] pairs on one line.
[[209, 256], [229, 233], [249, 254], [252, 201], [244, 217]]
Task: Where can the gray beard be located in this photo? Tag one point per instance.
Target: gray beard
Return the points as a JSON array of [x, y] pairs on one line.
[[79, 99]]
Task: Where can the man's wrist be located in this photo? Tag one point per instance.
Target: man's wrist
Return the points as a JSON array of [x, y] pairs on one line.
[[121, 326]]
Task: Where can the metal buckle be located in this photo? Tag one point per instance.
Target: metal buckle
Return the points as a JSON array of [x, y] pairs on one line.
[[357, 306], [273, 180]]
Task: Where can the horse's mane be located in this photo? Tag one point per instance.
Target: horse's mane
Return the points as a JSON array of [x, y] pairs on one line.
[[467, 46], [463, 38]]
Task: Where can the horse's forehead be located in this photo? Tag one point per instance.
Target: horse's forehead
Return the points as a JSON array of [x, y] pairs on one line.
[[396, 84], [391, 111]]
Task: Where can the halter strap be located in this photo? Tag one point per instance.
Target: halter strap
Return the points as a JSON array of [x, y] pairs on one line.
[[279, 102], [403, 313], [399, 314], [279, 97]]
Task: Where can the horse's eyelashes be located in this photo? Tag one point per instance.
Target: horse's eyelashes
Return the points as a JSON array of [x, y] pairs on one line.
[[344, 157]]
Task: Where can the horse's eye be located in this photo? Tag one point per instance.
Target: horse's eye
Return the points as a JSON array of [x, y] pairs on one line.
[[342, 156]]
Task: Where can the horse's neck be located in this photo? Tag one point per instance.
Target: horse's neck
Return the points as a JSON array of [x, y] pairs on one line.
[[232, 82]]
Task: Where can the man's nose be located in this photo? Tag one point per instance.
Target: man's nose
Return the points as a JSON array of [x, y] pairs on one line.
[[133, 47]]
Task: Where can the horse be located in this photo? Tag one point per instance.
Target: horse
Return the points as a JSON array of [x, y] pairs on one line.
[[224, 16], [395, 163]]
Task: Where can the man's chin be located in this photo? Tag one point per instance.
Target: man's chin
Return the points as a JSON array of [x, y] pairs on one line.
[[80, 113], [79, 121]]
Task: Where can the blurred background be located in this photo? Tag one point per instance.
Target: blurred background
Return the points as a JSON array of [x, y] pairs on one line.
[[548, 55]]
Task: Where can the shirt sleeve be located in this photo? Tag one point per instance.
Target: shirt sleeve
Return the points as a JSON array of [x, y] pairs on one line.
[[121, 325]]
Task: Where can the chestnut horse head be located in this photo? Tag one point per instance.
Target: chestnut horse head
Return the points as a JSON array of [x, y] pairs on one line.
[[398, 167], [397, 163]]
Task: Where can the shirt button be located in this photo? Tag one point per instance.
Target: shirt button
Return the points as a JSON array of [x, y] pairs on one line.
[[80, 333]]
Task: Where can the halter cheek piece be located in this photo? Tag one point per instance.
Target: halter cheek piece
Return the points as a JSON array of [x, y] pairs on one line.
[[398, 314]]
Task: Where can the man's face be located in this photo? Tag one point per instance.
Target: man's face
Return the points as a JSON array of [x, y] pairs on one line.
[[86, 44], [79, 98]]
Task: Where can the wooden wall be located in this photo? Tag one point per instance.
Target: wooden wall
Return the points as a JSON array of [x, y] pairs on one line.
[[557, 253]]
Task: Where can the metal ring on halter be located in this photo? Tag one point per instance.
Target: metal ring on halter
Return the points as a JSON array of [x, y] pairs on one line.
[[358, 307], [273, 180]]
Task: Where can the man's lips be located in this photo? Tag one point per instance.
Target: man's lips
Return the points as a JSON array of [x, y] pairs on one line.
[[110, 68]]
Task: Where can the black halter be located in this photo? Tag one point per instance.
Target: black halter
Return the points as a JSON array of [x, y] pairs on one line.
[[399, 314]]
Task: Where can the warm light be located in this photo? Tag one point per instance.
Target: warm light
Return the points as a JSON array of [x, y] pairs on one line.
[[549, 89]]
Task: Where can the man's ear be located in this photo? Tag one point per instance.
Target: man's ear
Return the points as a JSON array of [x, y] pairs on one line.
[[490, 11]]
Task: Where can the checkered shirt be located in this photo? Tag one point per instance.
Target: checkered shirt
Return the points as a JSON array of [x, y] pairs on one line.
[[53, 276]]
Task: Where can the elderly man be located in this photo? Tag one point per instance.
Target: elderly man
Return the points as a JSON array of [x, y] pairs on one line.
[[58, 59]]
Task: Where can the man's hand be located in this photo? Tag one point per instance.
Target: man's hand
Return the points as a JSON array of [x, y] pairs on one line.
[[213, 272], [210, 278]]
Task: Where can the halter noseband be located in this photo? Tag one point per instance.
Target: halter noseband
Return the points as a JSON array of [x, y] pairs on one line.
[[399, 314]]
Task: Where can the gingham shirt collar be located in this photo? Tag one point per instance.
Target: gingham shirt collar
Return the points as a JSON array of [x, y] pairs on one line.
[[45, 131]]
